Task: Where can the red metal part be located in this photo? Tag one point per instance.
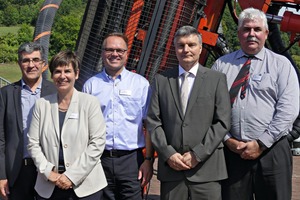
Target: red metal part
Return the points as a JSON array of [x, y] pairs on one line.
[[131, 28], [290, 23], [259, 4], [288, 1], [209, 24]]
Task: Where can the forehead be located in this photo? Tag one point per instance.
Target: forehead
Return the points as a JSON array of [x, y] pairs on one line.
[[253, 23], [114, 41], [34, 54], [64, 66], [187, 39]]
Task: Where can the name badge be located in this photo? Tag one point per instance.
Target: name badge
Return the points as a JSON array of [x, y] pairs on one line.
[[257, 77], [74, 116], [125, 92]]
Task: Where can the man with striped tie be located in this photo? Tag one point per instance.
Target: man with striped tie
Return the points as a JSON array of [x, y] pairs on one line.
[[265, 103]]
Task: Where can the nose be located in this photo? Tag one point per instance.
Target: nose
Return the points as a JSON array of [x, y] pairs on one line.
[[186, 48], [31, 63], [115, 52], [62, 75], [252, 32]]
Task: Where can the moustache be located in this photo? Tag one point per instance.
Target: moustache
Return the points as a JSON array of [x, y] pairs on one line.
[[252, 39]]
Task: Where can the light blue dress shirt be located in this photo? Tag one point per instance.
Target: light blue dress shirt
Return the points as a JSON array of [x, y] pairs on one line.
[[28, 99], [272, 98], [124, 103]]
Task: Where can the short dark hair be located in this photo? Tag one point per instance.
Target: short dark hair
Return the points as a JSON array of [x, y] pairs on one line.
[[30, 47], [116, 34], [64, 58], [186, 31]]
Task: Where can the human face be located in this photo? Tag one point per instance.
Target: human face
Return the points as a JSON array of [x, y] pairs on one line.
[[64, 78], [31, 67], [188, 50], [114, 55], [252, 36]]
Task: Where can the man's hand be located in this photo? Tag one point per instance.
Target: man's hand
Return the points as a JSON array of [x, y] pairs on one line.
[[63, 182], [189, 159], [145, 172], [54, 176], [4, 190], [251, 151], [235, 145], [176, 162]]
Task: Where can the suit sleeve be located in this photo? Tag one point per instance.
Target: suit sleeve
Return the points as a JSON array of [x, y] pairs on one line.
[[34, 146], [154, 125], [220, 123], [2, 139]]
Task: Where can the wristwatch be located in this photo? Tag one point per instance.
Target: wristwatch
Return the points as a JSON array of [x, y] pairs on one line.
[[261, 145], [149, 158]]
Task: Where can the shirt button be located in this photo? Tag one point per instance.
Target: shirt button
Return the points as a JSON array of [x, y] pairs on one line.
[[67, 164], [65, 146]]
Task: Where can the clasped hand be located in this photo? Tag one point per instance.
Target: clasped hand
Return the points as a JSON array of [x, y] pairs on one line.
[[60, 180], [180, 162], [247, 150]]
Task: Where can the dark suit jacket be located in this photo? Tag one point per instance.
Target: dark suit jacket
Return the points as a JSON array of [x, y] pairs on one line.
[[201, 130], [11, 129]]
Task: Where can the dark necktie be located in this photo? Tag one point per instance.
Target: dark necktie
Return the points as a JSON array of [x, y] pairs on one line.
[[241, 81]]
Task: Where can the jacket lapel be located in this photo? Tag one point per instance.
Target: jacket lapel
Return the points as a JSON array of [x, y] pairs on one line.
[[174, 85], [73, 107], [18, 105], [54, 114]]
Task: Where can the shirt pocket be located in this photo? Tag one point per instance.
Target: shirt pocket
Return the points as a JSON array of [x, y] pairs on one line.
[[265, 84], [132, 106]]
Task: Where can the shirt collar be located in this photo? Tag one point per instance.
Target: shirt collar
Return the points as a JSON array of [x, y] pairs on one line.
[[193, 70], [25, 85], [122, 74], [260, 55]]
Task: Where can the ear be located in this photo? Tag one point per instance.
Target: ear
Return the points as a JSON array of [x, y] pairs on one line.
[[77, 74]]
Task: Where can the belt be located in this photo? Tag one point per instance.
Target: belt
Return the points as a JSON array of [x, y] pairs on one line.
[[27, 162], [115, 153]]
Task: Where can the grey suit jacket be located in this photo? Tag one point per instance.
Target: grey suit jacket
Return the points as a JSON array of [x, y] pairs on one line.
[[82, 137], [200, 130], [11, 129]]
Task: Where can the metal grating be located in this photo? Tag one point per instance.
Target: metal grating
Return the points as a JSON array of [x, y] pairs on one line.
[[149, 25]]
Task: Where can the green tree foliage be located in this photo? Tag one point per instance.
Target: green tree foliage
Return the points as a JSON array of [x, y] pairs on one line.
[[65, 32], [10, 15], [28, 14], [8, 48], [25, 34]]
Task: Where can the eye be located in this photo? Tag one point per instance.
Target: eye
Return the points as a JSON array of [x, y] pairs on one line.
[[26, 60], [36, 60]]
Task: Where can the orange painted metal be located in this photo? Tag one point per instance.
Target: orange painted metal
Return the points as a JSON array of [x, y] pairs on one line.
[[131, 28], [259, 4]]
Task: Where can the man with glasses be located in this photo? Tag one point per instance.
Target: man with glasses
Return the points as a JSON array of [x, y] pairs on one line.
[[123, 96], [17, 170]]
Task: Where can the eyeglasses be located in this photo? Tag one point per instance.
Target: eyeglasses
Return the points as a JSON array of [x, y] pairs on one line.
[[26, 61], [120, 52]]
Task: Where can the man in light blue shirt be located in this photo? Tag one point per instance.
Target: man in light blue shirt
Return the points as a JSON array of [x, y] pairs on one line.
[[258, 156], [124, 98]]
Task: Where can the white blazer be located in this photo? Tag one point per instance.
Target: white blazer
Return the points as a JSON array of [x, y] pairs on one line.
[[83, 140]]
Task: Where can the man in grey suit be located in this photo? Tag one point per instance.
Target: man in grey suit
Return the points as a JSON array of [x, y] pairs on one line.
[[189, 141], [17, 170]]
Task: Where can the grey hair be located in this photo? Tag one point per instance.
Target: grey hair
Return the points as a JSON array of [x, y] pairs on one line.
[[251, 14], [186, 31], [30, 47]]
